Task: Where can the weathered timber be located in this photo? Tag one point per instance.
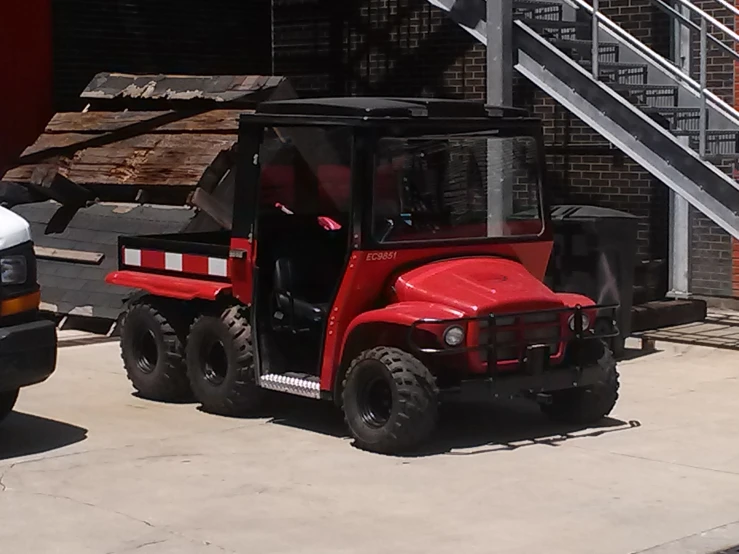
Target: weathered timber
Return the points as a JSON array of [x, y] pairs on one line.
[[50, 181], [146, 160], [65, 255], [221, 211], [96, 123], [216, 171], [173, 89], [147, 138], [62, 217]]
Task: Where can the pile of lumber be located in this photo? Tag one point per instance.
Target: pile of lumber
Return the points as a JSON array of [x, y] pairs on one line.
[[142, 138]]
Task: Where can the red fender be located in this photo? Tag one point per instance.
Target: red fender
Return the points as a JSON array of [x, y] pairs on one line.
[[402, 313], [570, 299], [167, 286]]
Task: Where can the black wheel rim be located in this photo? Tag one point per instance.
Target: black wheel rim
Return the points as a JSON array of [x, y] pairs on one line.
[[375, 398], [147, 352], [215, 362]]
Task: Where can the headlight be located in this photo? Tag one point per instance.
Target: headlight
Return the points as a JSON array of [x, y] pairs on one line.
[[13, 270], [454, 335], [583, 318]]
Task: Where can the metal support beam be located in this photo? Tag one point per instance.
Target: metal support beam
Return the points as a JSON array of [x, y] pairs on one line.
[[499, 32], [499, 52], [679, 256], [679, 208]]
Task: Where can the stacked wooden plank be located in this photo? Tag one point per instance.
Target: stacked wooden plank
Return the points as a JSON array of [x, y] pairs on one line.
[[143, 138]]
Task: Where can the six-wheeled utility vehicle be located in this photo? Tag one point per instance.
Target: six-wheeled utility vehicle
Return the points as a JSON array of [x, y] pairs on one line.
[[382, 253]]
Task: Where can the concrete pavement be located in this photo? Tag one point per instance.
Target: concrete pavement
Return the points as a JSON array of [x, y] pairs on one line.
[[85, 467]]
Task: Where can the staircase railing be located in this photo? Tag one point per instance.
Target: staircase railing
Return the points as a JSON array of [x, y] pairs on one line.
[[699, 88], [690, 24]]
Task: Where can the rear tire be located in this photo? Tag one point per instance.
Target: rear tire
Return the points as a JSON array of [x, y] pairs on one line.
[[152, 349], [7, 402], [587, 405], [390, 401], [220, 363]]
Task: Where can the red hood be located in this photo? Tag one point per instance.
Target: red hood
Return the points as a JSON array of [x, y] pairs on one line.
[[476, 286]]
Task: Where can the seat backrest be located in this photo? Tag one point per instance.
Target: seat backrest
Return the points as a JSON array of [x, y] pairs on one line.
[[285, 275]]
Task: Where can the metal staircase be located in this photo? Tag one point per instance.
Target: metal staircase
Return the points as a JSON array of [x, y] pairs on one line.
[[647, 106]]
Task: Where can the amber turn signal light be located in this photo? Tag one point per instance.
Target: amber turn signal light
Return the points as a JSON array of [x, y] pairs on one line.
[[20, 304]]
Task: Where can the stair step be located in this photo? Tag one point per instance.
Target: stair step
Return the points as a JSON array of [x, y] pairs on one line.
[[583, 49], [648, 95], [718, 142], [546, 24], [550, 28], [624, 73], [538, 9], [677, 118], [300, 384]]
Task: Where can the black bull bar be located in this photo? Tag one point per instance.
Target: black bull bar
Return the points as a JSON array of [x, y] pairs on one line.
[[533, 355]]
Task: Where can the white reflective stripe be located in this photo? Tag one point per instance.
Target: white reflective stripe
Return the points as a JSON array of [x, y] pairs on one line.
[[132, 256], [217, 267], [172, 261]]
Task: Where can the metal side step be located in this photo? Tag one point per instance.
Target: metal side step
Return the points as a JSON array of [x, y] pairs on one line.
[[300, 384], [623, 73], [702, 184]]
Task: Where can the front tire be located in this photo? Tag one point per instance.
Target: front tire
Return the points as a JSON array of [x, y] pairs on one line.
[[390, 401], [220, 363], [7, 402], [587, 405], [152, 349]]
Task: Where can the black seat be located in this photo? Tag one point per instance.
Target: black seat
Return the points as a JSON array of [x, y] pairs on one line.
[[301, 301]]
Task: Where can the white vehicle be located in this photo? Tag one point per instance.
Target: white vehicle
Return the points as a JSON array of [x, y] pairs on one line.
[[27, 341]]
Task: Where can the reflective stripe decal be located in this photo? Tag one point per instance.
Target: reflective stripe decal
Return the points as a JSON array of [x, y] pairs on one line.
[[176, 262], [132, 257]]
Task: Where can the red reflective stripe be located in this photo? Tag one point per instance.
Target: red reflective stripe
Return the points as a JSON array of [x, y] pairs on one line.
[[153, 259], [195, 264]]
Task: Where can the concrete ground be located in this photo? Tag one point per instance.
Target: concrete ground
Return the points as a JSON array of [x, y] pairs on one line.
[[88, 468]]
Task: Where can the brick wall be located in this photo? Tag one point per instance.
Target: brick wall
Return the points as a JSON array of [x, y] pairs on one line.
[[376, 47], [734, 242], [229, 37], [711, 256], [407, 47]]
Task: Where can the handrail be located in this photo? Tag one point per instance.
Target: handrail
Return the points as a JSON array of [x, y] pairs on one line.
[[712, 20], [731, 7], [699, 88], [669, 10]]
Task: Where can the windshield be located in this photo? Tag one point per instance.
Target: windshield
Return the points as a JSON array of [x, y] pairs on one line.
[[442, 187]]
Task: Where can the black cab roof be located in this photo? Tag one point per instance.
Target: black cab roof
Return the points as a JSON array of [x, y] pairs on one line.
[[369, 108]]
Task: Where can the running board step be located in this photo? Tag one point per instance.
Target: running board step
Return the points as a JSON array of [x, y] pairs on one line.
[[300, 384]]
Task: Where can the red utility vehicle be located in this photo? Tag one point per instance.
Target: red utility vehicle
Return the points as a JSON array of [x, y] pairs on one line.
[[383, 253]]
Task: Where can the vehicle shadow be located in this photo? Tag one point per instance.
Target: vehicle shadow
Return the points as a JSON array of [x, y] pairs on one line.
[[24, 434], [464, 429], [473, 429], [634, 353]]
